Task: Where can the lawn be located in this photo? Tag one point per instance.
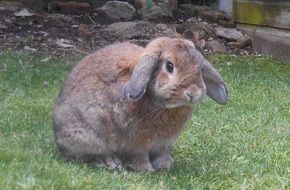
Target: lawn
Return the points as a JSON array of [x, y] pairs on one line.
[[243, 145]]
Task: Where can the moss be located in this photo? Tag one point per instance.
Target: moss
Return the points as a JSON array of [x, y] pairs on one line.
[[249, 13]]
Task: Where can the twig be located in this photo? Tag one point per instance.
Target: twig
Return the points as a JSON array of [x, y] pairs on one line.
[[92, 20], [81, 51]]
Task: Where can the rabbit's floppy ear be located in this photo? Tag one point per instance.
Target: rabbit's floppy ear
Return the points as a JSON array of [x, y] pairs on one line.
[[135, 88], [215, 85]]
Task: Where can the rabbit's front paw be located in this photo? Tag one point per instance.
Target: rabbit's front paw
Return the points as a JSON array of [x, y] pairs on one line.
[[164, 161], [113, 163], [139, 162]]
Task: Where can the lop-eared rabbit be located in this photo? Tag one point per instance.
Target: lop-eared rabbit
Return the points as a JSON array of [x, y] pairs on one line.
[[124, 105]]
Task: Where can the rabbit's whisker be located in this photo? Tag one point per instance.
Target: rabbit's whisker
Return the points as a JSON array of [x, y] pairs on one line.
[[148, 114]]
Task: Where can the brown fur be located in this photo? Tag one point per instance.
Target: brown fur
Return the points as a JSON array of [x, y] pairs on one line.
[[92, 124]]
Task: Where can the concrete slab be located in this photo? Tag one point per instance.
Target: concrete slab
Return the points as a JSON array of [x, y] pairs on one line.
[[269, 41]]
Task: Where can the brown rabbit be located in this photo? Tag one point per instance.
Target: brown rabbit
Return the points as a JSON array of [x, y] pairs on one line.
[[124, 106]]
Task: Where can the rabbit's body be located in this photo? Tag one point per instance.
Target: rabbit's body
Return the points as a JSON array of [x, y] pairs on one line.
[[93, 124]]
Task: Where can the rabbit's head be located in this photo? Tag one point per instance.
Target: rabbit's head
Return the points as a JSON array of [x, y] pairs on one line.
[[174, 74]]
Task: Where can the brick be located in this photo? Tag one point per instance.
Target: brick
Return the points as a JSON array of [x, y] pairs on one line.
[[70, 7]]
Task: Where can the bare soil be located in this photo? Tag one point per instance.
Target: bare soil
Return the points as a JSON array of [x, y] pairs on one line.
[[42, 32], [52, 34]]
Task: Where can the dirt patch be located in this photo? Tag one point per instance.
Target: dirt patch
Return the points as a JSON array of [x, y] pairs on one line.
[[63, 35], [41, 32]]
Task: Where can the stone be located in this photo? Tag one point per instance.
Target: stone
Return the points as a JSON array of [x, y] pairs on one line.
[[218, 17], [4, 23], [9, 8], [137, 30], [193, 10], [180, 28], [117, 11], [3, 26], [36, 5], [215, 46], [243, 41], [29, 49], [206, 27], [230, 34], [195, 25], [124, 30], [163, 29], [213, 16], [202, 34], [155, 13], [60, 17], [188, 34], [227, 23], [23, 13]]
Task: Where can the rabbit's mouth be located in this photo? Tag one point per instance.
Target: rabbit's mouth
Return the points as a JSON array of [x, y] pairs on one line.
[[169, 103], [188, 100], [177, 98], [194, 98]]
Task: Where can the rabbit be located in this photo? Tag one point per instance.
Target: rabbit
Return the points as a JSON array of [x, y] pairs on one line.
[[124, 106]]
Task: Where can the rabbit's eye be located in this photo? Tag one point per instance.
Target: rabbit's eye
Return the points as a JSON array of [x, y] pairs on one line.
[[169, 67]]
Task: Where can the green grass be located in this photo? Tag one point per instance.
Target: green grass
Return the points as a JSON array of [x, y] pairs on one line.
[[243, 145]]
